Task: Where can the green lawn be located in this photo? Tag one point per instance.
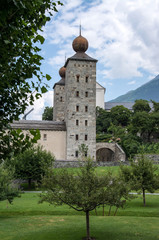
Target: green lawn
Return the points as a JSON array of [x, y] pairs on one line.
[[27, 220]]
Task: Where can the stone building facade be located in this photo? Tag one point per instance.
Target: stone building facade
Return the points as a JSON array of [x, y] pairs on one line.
[[74, 116]]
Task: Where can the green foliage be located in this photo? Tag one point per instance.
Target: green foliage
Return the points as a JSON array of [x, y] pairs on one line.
[[130, 144], [116, 131], [152, 148], [130, 130], [48, 114], [20, 25], [14, 141], [32, 164], [155, 106], [103, 137], [20, 76], [8, 190], [83, 150], [141, 175], [120, 115], [103, 120], [141, 106]]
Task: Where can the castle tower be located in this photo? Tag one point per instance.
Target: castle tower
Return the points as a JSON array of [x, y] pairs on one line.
[[59, 97], [80, 88]]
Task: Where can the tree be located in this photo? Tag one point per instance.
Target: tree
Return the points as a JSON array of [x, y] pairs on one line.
[[143, 123], [32, 164], [14, 141], [82, 192], [48, 114], [141, 105], [103, 120], [8, 190], [155, 106], [20, 25], [141, 175], [118, 193], [120, 115]]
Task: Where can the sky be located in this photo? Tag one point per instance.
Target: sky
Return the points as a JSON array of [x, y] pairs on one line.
[[123, 35]]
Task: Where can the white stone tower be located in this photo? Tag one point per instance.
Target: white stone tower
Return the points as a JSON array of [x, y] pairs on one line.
[[80, 90], [59, 97]]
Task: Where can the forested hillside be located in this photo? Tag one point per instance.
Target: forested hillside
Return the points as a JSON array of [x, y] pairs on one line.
[[148, 91]]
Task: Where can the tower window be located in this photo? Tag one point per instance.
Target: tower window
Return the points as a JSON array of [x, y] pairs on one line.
[[77, 93], [60, 99], [86, 79], [44, 137], [86, 108], [86, 137], [77, 122], [76, 137], [86, 94], [86, 122], [77, 108], [77, 78], [76, 153]]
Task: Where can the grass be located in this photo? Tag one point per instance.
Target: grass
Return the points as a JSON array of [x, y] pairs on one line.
[[27, 220]]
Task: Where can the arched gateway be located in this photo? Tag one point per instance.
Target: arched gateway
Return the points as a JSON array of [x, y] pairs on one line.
[[108, 152]]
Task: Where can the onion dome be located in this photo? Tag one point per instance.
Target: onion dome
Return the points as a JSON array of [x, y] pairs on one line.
[[62, 72], [80, 44]]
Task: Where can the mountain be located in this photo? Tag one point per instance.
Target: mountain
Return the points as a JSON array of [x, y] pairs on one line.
[[148, 91]]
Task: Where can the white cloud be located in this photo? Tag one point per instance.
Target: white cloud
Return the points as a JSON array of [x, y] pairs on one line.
[[131, 83], [39, 105], [122, 34]]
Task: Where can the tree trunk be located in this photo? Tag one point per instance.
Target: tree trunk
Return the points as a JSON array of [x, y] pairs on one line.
[[144, 200], [87, 225], [116, 211], [109, 210]]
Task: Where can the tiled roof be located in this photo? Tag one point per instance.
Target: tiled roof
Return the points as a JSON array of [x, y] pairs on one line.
[[41, 125], [80, 56]]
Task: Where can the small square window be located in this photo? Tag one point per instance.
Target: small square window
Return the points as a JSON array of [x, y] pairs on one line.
[[77, 93], [86, 137], [77, 108], [86, 94], [86, 79], [77, 78], [86, 108], [76, 137], [76, 153], [44, 137]]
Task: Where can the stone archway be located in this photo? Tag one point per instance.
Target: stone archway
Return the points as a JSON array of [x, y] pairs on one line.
[[105, 155]]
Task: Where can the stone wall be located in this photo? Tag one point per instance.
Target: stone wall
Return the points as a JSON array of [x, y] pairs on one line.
[[74, 164], [153, 157]]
